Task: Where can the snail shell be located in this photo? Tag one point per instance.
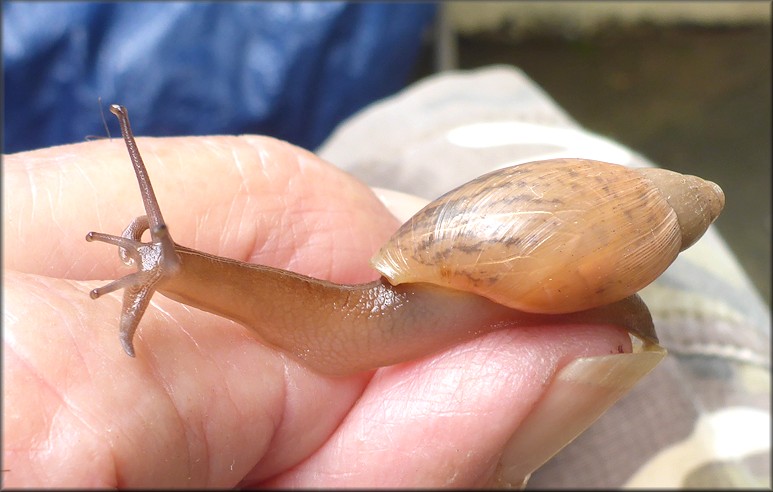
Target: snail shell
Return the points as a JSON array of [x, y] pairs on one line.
[[553, 236]]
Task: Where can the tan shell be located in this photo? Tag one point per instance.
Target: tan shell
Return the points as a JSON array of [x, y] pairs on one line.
[[553, 236]]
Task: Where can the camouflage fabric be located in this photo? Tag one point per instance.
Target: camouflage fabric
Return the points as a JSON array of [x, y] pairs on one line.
[[701, 419]]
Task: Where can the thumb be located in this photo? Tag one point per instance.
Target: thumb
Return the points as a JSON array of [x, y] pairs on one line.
[[580, 393], [488, 411]]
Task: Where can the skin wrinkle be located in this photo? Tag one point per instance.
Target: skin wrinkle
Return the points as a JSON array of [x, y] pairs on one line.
[[205, 431], [165, 317], [65, 404], [38, 300], [69, 406], [199, 227], [319, 220], [57, 203], [201, 432], [156, 366], [168, 388], [312, 241], [286, 168], [299, 229], [452, 386], [239, 167], [132, 447], [231, 216], [384, 424], [243, 197], [12, 350], [52, 212], [275, 425], [475, 371], [263, 158], [123, 447], [218, 149], [81, 255], [285, 407], [106, 446], [284, 422], [270, 209], [252, 244], [209, 218], [33, 197], [248, 224]]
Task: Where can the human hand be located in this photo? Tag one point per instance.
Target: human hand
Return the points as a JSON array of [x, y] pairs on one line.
[[205, 403]]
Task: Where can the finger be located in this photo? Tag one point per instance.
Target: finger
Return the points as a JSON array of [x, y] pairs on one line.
[[445, 420], [249, 198], [201, 409]]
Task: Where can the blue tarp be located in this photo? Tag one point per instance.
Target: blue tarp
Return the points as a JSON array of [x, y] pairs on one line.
[[290, 70]]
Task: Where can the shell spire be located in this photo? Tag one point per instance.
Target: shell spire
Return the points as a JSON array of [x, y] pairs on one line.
[[696, 201]]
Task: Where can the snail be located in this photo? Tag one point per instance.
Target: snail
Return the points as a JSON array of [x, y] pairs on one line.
[[548, 242]]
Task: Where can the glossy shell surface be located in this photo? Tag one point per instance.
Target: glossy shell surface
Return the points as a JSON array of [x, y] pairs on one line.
[[547, 237]]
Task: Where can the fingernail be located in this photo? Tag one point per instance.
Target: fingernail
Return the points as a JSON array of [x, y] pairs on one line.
[[579, 394]]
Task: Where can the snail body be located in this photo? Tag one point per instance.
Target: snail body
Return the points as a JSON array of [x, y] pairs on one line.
[[565, 241]]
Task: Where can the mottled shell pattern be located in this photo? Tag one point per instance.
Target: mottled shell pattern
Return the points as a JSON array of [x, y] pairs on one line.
[[553, 236]]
